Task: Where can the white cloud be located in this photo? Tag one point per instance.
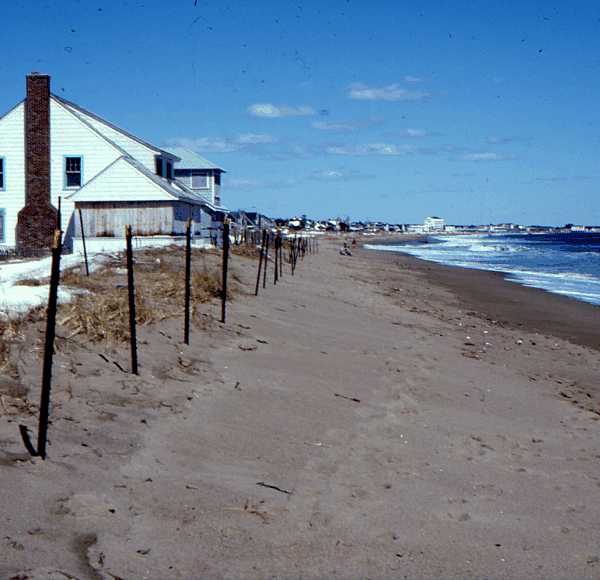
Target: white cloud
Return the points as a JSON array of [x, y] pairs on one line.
[[205, 144], [255, 138], [394, 92], [338, 175], [484, 156], [411, 79], [242, 183], [334, 127], [370, 149], [222, 144], [270, 111], [415, 133]]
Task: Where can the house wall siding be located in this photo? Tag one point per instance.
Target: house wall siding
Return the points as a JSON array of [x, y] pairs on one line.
[[108, 219], [136, 149], [121, 182], [12, 148], [161, 218], [211, 194]]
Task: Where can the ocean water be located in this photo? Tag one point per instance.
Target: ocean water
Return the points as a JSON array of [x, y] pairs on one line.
[[567, 264]]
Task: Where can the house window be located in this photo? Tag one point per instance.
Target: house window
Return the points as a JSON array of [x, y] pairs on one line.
[[217, 178], [200, 180], [73, 172], [2, 228], [2, 187], [169, 171], [159, 166]]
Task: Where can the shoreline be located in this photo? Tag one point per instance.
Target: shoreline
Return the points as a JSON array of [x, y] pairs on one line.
[[509, 301]]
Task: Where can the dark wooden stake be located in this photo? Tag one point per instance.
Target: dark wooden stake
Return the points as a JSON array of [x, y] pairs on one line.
[[276, 269], [85, 258], [266, 259], [48, 355], [59, 214], [225, 268], [260, 261], [131, 288], [188, 281], [280, 256]]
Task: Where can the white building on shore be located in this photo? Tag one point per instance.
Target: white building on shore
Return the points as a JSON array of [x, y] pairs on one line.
[[434, 224]]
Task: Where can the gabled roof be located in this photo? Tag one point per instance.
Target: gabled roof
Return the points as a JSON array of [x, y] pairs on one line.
[[81, 111], [191, 160]]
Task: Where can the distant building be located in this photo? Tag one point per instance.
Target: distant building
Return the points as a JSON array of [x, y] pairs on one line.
[[434, 224], [199, 174]]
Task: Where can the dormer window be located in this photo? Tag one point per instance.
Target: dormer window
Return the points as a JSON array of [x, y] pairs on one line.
[[2, 187], [169, 169], [159, 166], [73, 172]]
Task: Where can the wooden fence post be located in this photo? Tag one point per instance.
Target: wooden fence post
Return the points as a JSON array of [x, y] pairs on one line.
[[131, 290], [48, 355], [225, 268], [260, 261], [85, 258], [266, 259], [276, 269], [188, 281]]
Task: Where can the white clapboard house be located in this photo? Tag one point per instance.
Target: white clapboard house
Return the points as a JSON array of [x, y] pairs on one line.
[[52, 149]]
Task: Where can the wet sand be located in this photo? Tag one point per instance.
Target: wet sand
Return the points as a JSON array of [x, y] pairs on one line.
[[373, 417]]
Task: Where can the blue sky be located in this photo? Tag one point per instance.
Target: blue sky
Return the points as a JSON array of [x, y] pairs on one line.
[[476, 111]]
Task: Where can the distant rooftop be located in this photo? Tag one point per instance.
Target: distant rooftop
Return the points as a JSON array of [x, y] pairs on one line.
[[191, 160]]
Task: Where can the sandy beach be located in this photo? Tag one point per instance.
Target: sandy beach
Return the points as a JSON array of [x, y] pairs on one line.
[[374, 416]]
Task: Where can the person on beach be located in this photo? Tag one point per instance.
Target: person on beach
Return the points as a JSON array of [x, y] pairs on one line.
[[345, 251]]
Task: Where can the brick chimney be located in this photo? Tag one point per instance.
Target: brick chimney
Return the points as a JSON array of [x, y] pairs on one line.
[[37, 221]]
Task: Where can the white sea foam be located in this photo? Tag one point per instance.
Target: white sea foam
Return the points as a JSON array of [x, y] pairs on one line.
[[486, 253]]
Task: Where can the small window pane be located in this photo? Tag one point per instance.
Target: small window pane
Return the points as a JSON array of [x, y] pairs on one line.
[[169, 170], [73, 172], [217, 178], [73, 179], [159, 166], [199, 180], [1, 173]]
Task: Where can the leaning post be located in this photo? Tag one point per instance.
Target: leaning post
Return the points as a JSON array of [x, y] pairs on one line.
[[85, 257], [260, 261], [48, 355]]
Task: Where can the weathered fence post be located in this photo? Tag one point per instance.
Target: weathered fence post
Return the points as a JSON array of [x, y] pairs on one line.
[[188, 281], [85, 257], [131, 290], [48, 355], [266, 259], [225, 268], [260, 261], [276, 248], [59, 214], [280, 256]]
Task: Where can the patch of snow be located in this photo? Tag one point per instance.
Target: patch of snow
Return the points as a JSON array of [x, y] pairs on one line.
[[16, 300]]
